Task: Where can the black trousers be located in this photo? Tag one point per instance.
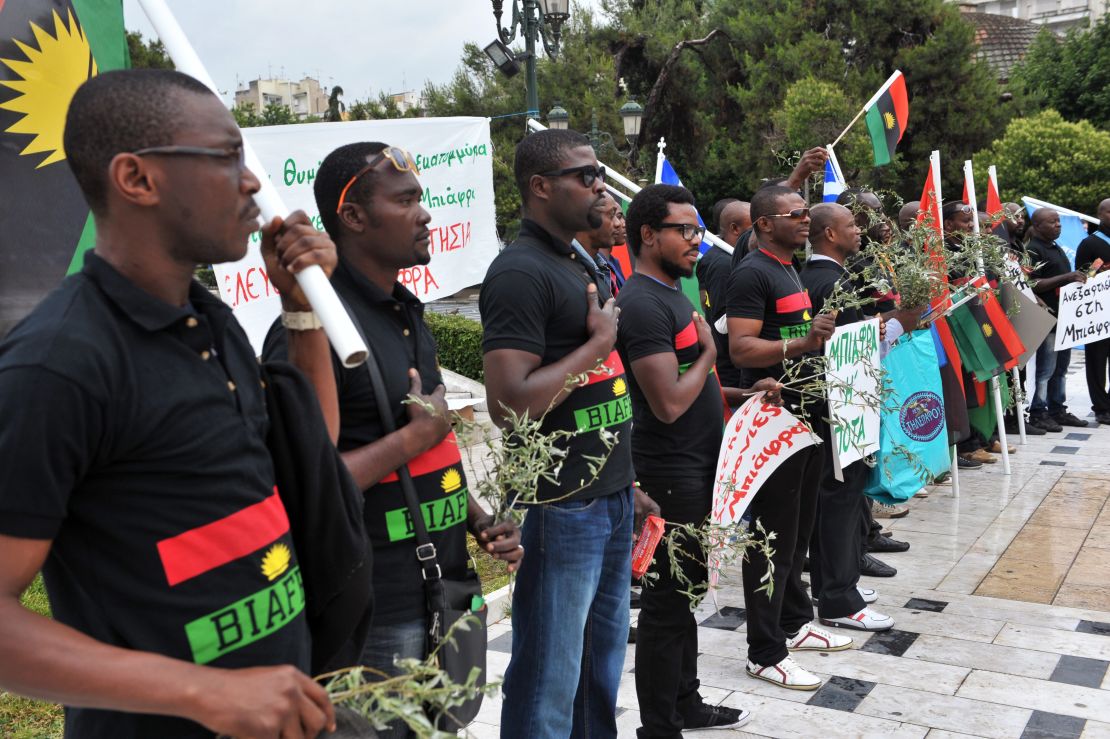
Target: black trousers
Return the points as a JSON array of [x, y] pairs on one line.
[[787, 505], [1009, 415], [667, 632], [869, 529], [1098, 356], [834, 546]]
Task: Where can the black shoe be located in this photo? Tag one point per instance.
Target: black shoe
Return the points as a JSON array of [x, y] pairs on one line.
[[705, 716], [1045, 421], [1067, 419], [1030, 430], [805, 565], [966, 463], [873, 567], [1103, 418], [887, 544], [631, 634], [634, 599]]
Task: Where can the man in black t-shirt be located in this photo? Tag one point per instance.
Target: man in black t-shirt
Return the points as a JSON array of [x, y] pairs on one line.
[[840, 529], [1049, 406], [770, 326], [369, 200], [678, 426], [713, 269], [134, 469], [1097, 246], [547, 315]]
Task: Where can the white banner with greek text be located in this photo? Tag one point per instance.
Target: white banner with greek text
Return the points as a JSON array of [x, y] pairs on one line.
[[454, 156], [1084, 313], [853, 369]]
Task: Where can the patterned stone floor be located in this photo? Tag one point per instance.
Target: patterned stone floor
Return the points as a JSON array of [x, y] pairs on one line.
[[1002, 611]]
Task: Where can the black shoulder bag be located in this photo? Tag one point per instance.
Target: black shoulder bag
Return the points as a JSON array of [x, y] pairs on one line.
[[448, 600]]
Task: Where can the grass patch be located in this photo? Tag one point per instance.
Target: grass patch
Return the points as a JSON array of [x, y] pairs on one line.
[[23, 718]]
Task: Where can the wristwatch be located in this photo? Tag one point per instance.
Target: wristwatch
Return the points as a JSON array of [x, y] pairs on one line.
[[300, 320]]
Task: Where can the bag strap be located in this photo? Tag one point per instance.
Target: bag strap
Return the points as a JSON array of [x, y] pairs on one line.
[[425, 549], [1103, 236]]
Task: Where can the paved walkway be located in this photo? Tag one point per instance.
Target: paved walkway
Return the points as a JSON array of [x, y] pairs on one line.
[[1002, 610]]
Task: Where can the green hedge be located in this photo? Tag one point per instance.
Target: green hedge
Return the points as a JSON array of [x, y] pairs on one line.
[[460, 343]]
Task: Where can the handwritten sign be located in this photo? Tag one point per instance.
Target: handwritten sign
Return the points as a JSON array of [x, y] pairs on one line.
[[454, 156], [1019, 277], [852, 355], [758, 438], [1084, 313]]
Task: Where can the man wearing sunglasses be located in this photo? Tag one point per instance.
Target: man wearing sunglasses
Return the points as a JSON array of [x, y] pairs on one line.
[[546, 316], [771, 326], [677, 431], [134, 469], [369, 200]]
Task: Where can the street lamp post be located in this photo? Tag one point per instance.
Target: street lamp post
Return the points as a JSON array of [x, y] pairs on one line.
[[632, 115], [533, 18]]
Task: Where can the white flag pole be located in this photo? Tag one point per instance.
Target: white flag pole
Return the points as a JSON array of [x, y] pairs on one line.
[[341, 331], [1019, 386], [934, 169], [996, 390]]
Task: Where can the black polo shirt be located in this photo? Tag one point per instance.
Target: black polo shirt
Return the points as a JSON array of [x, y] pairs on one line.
[[656, 319], [820, 278], [394, 327], [1050, 261], [769, 290], [134, 438], [534, 300], [712, 271], [1094, 247]]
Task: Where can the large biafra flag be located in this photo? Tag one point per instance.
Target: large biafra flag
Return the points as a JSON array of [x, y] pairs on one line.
[[47, 49]]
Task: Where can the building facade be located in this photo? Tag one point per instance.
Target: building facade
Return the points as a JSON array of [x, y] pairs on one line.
[[302, 98], [1058, 15]]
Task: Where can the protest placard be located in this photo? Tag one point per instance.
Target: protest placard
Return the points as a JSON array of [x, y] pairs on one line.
[[1084, 313], [1031, 322], [758, 438], [853, 368], [456, 171]]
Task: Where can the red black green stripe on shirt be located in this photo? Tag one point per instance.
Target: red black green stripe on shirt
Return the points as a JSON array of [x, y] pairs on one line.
[[443, 454], [793, 303], [615, 367], [686, 338], [200, 550]]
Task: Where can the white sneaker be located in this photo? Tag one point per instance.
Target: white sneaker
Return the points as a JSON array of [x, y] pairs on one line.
[[866, 620], [813, 638], [786, 674], [869, 595]]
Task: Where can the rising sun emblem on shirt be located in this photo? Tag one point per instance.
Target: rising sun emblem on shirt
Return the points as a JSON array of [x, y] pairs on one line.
[[276, 561], [49, 78], [451, 481], [619, 386], [888, 120]]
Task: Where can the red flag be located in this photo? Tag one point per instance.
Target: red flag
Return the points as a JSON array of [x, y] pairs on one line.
[[1002, 325], [994, 202], [929, 216], [966, 199]]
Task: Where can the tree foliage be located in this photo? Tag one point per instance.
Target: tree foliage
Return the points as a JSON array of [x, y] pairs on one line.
[[742, 103], [1071, 76], [1049, 158], [147, 54]]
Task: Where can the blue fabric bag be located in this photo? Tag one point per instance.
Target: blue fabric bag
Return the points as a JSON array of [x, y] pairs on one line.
[[912, 422]]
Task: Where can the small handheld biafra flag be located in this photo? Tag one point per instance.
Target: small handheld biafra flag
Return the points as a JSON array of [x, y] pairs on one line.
[[888, 114]]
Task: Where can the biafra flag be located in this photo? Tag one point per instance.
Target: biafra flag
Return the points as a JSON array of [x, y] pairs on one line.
[[986, 339], [47, 49], [887, 114]]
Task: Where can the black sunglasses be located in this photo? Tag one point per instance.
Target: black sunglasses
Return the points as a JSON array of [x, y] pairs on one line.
[[796, 213], [688, 230], [230, 153], [589, 173]]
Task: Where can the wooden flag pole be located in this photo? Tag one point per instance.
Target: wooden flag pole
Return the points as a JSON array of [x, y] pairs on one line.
[[996, 391], [342, 333], [849, 128]]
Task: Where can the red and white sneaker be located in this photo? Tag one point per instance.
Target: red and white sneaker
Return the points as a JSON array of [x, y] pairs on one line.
[[866, 620], [812, 638], [786, 674]]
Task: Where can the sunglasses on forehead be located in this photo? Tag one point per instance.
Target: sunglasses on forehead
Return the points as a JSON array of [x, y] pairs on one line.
[[589, 173], [401, 160]]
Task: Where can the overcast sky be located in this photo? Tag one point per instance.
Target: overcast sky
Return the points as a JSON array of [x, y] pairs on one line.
[[364, 46]]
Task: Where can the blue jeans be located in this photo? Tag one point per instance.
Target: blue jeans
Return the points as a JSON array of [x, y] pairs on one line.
[[1050, 394], [383, 644], [570, 620]]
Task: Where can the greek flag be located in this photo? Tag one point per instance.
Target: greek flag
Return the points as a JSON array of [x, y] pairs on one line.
[[667, 176], [834, 179]]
